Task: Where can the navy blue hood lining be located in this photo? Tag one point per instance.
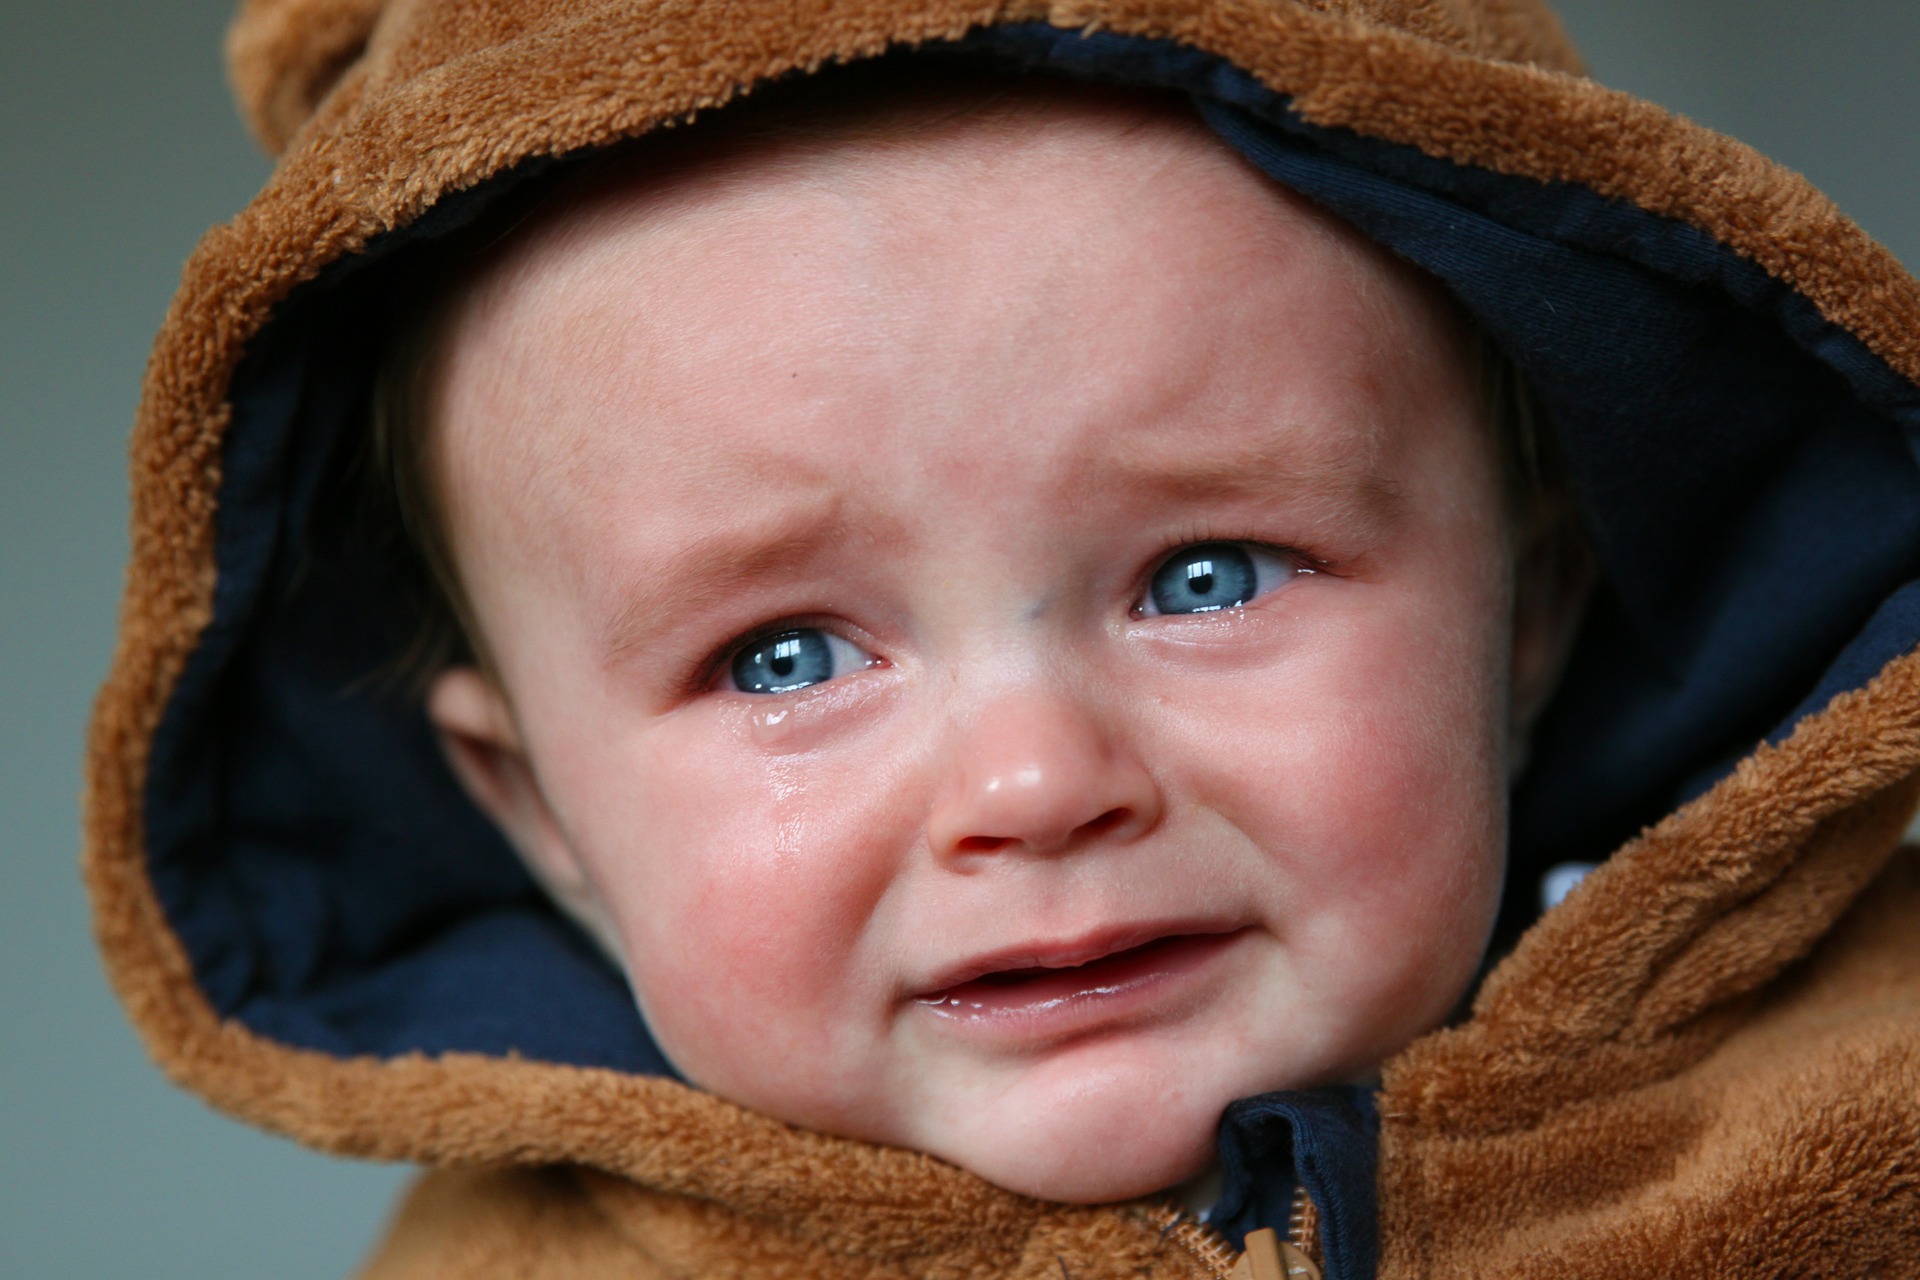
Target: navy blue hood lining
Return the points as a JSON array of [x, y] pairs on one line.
[[1747, 468]]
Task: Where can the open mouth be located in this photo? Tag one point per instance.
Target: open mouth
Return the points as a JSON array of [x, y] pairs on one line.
[[1031, 991]]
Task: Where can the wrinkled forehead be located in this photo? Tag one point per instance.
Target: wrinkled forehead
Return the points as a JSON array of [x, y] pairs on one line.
[[1037, 231]]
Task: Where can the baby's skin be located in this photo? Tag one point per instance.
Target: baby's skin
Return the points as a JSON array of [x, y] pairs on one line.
[[1004, 627]]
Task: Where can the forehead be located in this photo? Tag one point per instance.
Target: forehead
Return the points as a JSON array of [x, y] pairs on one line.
[[1076, 287]]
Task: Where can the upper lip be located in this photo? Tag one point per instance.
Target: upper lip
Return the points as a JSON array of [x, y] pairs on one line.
[[1068, 953]]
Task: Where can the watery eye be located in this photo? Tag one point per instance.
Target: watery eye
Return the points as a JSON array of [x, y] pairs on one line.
[[793, 660], [1210, 576]]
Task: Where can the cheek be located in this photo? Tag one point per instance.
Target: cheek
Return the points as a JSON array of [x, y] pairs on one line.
[[1366, 735], [1366, 770], [743, 886]]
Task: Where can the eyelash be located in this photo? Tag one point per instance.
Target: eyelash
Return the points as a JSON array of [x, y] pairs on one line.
[[1305, 562], [1195, 534]]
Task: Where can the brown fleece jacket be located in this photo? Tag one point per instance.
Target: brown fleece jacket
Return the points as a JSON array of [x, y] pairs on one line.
[[1705, 1062]]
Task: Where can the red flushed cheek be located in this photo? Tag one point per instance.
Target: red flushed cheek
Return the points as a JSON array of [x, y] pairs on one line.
[[1365, 773], [747, 901], [1344, 788]]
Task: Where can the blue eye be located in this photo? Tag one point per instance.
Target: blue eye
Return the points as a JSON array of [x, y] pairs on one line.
[[1210, 576], [793, 660]]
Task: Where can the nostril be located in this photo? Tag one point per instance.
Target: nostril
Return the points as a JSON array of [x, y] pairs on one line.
[[1111, 820]]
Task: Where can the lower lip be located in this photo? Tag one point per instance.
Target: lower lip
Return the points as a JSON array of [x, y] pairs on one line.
[[1126, 986]]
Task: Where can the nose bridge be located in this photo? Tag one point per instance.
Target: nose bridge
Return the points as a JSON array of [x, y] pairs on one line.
[[1038, 768]]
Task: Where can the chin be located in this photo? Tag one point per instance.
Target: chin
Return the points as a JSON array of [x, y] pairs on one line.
[[1081, 1155]]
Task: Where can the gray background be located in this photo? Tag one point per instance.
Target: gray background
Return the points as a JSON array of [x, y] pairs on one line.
[[117, 148]]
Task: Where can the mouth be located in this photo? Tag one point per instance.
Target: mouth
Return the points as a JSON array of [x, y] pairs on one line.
[[1071, 983]]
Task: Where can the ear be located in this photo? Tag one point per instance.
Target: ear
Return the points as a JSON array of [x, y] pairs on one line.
[[482, 744], [1554, 576]]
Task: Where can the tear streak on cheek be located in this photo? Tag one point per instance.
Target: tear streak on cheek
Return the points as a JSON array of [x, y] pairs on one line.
[[785, 784]]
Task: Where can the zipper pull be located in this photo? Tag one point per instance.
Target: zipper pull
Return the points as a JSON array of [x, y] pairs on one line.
[[1268, 1257]]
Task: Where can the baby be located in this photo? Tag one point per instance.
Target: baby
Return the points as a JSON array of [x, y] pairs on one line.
[[1013, 630], [1011, 611]]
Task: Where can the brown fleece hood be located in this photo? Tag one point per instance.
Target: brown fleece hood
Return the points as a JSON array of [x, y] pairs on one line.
[[1705, 1062]]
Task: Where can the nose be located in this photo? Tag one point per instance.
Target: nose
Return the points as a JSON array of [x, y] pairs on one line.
[[1035, 773]]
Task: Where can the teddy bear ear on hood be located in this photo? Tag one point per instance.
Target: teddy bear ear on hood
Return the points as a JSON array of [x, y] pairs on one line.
[[284, 56]]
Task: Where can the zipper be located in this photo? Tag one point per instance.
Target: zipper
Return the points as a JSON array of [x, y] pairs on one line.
[[1303, 1227], [1208, 1246], [1221, 1260]]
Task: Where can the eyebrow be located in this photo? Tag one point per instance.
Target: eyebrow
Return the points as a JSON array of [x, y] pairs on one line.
[[1344, 481]]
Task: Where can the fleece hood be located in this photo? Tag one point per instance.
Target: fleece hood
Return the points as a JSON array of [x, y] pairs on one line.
[[314, 929]]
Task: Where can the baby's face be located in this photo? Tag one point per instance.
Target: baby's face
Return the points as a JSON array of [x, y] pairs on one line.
[[1005, 631]]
